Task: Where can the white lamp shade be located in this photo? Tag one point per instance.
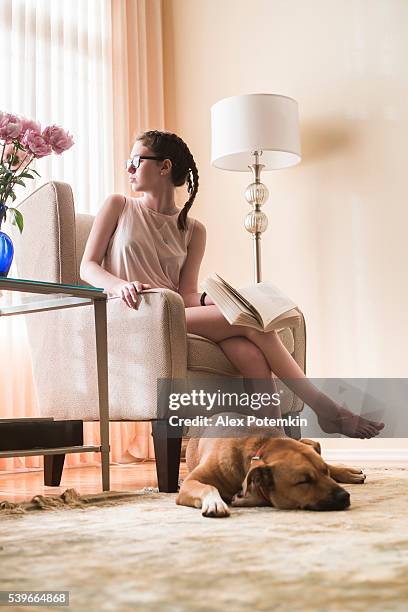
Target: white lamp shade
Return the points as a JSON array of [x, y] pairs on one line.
[[243, 124]]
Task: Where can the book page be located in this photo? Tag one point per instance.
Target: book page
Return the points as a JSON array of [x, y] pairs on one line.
[[268, 299], [230, 305], [265, 300], [235, 293], [291, 318]]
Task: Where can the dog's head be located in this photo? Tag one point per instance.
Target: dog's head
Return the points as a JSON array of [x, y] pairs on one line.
[[291, 474]]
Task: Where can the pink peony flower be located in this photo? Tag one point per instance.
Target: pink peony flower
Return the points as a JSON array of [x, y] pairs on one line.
[[59, 139], [30, 124], [10, 127], [35, 143]]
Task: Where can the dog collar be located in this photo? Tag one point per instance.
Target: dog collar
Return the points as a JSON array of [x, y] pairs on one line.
[[257, 456], [259, 488]]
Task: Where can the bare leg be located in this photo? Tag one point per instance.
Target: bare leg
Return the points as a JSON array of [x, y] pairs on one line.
[[332, 417], [250, 361], [207, 321], [246, 357]]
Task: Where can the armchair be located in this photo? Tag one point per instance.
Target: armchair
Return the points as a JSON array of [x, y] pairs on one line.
[[143, 345]]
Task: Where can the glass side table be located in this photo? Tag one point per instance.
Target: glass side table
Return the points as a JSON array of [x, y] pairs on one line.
[[23, 296]]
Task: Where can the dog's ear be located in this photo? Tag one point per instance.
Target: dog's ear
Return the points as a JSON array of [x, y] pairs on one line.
[[259, 476], [315, 445]]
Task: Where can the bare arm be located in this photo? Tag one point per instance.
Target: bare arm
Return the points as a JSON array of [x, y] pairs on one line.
[[91, 269], [189, 273], [103, 227]]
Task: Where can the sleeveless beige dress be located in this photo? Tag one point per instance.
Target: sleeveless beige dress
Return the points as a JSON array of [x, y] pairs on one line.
[[147, 246]]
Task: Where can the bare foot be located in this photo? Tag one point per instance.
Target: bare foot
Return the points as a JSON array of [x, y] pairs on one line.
[[338, 419]]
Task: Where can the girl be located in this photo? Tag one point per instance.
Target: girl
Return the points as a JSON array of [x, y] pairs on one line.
[[148, 242]]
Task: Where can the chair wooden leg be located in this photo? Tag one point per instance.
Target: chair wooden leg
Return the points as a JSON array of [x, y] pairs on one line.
[[53, 466], [167, 450], [293, 431]]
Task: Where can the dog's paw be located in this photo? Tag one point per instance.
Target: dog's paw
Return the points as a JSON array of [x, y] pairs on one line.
[[347, 475], [356, 476], [353, 476], [214, 507]]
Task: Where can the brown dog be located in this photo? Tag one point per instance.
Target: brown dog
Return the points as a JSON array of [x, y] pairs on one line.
[[262, 471]]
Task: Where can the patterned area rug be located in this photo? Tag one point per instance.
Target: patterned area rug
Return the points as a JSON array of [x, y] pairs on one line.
[[68, 500], [145, 553]]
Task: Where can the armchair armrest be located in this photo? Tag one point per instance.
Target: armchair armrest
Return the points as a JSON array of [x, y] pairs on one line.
[[143, 345]]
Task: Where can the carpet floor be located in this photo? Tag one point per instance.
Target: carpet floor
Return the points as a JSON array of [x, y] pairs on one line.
[[146, 553]]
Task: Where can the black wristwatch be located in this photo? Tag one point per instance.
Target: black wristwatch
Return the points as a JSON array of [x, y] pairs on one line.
[[202, 298]]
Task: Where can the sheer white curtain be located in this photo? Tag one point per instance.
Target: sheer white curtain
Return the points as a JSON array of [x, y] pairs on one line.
[[95, 68], [57, 59]]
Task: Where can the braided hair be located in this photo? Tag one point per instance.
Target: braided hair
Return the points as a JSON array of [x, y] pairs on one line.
[[183, 169]]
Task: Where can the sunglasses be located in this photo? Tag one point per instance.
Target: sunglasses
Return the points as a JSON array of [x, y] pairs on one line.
[[135, 161]]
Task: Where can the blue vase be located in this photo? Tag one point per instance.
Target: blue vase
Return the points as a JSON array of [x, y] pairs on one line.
[[6, 248]]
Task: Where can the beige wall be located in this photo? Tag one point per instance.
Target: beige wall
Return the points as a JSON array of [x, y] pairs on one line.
[[338, 221]]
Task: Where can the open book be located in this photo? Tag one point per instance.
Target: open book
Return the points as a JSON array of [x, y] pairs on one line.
[[262, 306]]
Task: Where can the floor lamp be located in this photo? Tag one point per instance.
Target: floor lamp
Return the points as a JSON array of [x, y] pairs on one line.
[[248, 129]]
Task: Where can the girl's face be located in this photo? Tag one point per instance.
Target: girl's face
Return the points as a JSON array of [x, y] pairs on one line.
[[148, 175]]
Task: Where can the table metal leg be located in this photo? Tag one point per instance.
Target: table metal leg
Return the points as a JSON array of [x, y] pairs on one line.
[[102, 365]]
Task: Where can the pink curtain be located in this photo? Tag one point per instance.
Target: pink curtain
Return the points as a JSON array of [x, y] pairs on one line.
[[114, 49]]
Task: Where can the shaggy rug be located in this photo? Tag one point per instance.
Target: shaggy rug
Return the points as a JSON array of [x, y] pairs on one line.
[[146, 553]]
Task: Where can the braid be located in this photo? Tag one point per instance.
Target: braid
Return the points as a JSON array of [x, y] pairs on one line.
[[184, 169], [192, 188]]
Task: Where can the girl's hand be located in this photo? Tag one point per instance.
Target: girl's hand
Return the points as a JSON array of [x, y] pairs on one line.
[[129, 292]]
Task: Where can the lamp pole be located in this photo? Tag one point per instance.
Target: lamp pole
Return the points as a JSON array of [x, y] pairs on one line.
[[256, 221]]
